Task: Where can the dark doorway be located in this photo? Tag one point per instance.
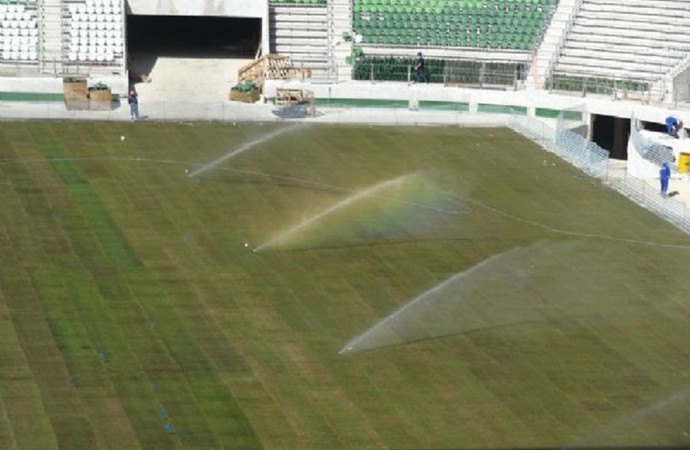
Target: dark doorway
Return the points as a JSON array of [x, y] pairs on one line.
[[611, 133], [193, 36], [197, 37], [652, 126]]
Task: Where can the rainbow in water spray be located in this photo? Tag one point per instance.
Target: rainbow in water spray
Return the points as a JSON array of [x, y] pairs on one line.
[[402, 205]]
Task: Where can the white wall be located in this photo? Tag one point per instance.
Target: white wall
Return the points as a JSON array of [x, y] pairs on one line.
[[234, 8]]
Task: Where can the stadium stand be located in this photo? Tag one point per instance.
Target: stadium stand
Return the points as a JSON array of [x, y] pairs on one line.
[[299, 29], [633, 40], [489, 24], [61, 36], [93, 31], [327, 37], [18, 31]]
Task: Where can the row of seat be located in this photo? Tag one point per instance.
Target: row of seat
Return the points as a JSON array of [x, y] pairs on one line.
[[476, 16], [451, 6], [19, 41], [117, 45], [15, 7], [89, 57], [94, 3], [19, 56], [7, 32], [517, 24], [98, 47], [104, 17], [18, 24], [500, 41], [75, 8], [17, 15], [104, 2], [97, 34], [74, 26]]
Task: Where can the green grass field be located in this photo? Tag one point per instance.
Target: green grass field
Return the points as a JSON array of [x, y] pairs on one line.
[[133, 316]]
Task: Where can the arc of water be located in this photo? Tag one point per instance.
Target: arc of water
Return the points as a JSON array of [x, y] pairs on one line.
[[667, 416], [352, 345], [242, 149], [341, 204]]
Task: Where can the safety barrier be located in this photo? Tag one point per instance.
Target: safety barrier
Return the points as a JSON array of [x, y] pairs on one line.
[[651, 151], [578, 151], [594, 161]]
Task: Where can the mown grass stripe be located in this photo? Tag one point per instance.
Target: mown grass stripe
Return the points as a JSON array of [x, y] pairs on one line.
[[59, 410], [110, 236], [188, 365]]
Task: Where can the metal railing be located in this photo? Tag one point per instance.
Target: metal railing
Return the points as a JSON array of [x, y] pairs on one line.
[[568, 25], [650, 151], [578, 151], [616, 88], [448, 72], [594, 161]]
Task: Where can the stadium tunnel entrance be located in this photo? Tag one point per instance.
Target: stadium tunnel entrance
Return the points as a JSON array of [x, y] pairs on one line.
[[612, 134], [657, 127], [184, 43]]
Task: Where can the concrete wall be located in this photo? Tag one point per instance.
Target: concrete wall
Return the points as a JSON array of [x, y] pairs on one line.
[[681, 87], [234, 8], [524, 98]]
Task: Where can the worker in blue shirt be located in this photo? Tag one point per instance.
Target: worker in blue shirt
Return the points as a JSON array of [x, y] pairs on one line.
[[673, 126], [664, 176]]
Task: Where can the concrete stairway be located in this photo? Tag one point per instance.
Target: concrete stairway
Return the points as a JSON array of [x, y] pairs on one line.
[[625, 40], [554, 37], [50, 37], [340, 24], [302, 33]]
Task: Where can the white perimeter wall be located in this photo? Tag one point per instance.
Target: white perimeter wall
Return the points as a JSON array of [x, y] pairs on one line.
[[233, 8]]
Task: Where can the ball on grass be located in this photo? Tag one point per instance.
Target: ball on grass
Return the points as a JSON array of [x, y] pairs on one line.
[[122, 138], [246, 244]]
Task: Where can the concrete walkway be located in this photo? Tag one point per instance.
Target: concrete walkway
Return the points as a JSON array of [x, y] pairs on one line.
[[196, 80]]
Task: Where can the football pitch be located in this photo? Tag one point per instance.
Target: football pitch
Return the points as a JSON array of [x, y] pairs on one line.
[[202, 286]]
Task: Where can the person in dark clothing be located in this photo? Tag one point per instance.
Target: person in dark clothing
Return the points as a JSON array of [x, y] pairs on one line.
[[419, 74], [133, 100]]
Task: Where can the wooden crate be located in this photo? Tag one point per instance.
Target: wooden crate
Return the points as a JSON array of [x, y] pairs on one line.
[[252, 96], [273, 67], [100, 95], [74, 89]]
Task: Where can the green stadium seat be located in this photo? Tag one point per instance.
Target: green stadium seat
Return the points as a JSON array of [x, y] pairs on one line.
[[512, 24]]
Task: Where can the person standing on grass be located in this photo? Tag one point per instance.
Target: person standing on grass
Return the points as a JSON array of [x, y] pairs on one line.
[[133, 100], [664, 176]]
